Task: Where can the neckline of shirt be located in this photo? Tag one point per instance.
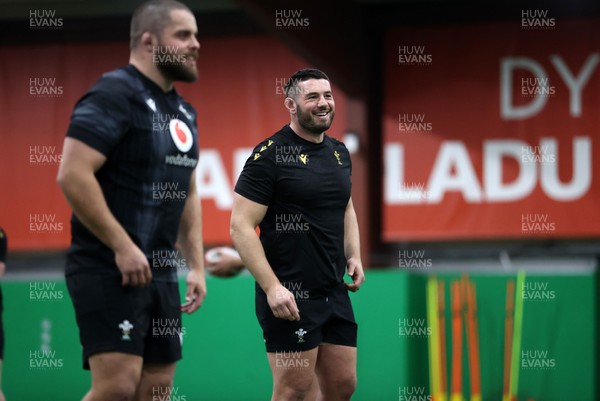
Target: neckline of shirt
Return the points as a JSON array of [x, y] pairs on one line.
[[290, 133], [150, 83]]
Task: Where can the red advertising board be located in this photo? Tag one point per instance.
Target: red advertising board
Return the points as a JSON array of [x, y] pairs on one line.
[[491, 131], [239, 99]]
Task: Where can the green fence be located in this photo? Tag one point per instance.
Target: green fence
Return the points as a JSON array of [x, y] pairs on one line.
[[224, 355]]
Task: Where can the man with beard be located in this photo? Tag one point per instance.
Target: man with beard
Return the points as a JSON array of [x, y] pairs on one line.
[[296, 187], [131, 141]]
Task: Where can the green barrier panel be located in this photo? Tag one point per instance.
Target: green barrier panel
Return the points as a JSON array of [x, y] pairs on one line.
[[42, 351], [558, 338], [224, 356]]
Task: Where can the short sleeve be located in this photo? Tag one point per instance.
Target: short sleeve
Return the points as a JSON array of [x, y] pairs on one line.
[[347, 154], [258, 178], [101, 117]]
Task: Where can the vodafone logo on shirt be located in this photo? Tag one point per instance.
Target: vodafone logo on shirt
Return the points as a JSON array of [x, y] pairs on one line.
[[181, 134]]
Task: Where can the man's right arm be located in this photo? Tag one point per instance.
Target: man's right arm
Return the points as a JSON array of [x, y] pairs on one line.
[[76, 177], [245, 216]]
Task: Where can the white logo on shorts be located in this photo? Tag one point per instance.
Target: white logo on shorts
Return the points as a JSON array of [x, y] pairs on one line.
[[300, 333], [125, 327]]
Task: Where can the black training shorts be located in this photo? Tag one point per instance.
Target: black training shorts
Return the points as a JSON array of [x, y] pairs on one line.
[[132, 320], [325, 317]]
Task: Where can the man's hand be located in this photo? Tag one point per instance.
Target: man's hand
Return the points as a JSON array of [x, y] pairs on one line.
[[283, 303], [196, 292], [134, 266], [355, 271]]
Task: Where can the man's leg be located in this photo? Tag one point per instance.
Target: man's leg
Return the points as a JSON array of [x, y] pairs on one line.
[[162, 345], [293, 374], [157, 380], [313, 391], [115, 376], [336, 370]]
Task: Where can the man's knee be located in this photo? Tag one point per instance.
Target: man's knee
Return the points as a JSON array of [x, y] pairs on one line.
[[114, 377], [291, 393], [157, 380], [293, 390], [119, 390], [341, 388], [347, 386]]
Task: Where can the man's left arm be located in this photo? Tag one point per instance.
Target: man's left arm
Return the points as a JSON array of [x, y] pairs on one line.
[[190, 242], [352, 248]]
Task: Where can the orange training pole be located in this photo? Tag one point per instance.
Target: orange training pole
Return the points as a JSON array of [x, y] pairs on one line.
[[442, 335], [456, 390], [508, 333], [473, 339]]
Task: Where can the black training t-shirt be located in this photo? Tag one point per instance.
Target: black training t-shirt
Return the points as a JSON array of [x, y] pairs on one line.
[[150, 141], [306, 187]]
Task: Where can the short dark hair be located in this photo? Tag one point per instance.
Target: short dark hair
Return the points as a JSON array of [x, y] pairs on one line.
[[152, 16], [305, 74]]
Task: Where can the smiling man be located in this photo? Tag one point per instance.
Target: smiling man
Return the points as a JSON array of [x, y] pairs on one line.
[[296, 187], [131, 140]]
